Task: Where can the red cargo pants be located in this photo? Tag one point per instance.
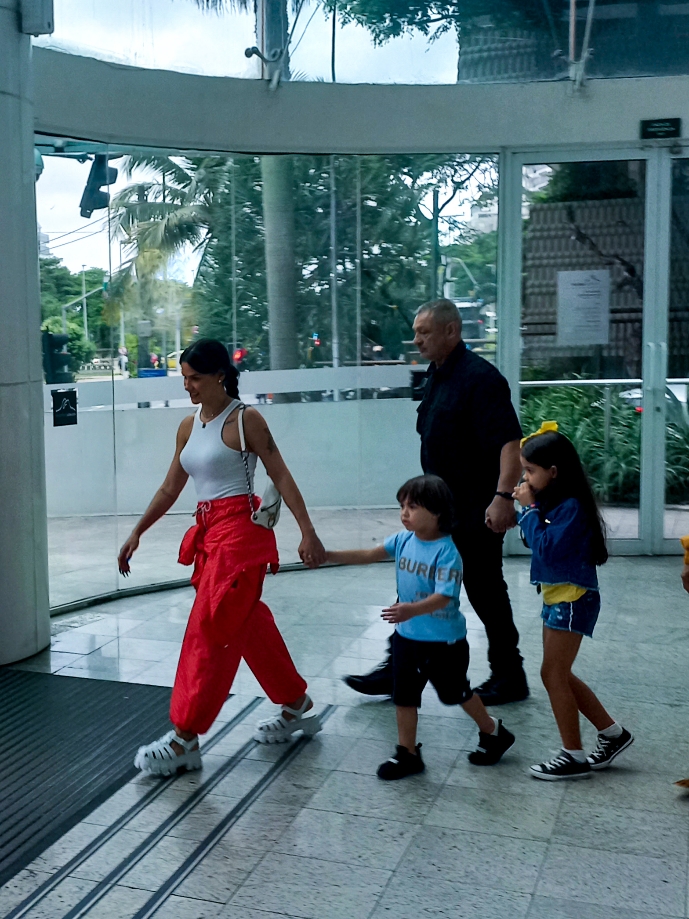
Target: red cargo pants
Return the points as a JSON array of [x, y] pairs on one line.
[[241, 627]]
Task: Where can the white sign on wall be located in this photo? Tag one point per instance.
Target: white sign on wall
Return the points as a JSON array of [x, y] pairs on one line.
[[583, 307]]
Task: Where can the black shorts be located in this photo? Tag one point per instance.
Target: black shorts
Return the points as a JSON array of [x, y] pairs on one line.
[[415, 663]]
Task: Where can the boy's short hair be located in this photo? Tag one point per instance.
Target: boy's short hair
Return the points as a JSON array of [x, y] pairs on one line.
[[431, 492]]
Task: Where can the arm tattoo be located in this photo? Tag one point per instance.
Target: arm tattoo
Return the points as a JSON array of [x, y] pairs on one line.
[[272, 446]]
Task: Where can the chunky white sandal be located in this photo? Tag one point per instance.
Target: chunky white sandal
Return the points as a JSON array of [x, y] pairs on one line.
[[160, 758], [279, 730]]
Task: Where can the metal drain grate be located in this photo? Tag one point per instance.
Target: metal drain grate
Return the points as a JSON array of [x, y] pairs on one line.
[[68, 744]]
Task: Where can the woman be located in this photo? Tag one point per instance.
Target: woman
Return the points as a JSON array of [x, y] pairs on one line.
[[231, 555]]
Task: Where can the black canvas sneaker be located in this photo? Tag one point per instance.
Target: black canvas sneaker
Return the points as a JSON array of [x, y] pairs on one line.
[[402, 764], [608, 748], [562, 766], [491, 747]]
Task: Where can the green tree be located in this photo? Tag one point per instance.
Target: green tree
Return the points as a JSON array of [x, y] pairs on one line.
[[480, 257], [59, 287]]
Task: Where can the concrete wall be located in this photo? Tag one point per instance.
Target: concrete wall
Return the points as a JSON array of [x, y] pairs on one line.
[[177, 111], [342, 454]]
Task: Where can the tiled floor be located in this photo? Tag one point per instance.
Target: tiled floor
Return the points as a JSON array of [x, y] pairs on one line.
[[308, 831], [83, 550]]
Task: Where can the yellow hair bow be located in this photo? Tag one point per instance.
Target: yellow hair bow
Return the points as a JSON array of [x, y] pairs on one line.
[[544, 429]]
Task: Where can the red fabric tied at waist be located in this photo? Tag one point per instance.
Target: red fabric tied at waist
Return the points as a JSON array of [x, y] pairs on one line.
[[223, 543]]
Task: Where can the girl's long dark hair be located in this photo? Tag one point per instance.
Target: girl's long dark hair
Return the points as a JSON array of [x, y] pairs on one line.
[[208, 355], [554, 449]]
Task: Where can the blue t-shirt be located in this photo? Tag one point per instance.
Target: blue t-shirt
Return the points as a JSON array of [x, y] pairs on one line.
[[425, 568]]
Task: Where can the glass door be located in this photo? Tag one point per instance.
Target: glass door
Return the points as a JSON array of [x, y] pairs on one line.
[[583, 270], [582, 320], [676, 507]]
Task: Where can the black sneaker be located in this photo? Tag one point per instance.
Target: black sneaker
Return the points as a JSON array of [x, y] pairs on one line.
[[491, 747], [376, 683], [402, 764], [501, 690], [608, 748], [562, 766]]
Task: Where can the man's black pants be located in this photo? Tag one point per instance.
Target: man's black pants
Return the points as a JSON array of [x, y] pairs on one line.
[[481, 551]]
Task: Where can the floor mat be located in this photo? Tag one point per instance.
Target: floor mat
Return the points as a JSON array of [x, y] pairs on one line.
[[69, 743]]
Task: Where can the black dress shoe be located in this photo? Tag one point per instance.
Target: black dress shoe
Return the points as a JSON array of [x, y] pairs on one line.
[[376, 683], [501, 690]]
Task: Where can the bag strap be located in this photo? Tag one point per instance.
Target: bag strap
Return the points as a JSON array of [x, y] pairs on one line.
[[245, 455]]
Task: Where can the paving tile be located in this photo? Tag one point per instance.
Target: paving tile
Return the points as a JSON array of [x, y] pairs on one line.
[[368, 796], [419, 898], [221, 873], [657, 885], [119, 903], [18, 888], [79, 643], [548, 908], [302, 887], [346, 838], [616, 829], [365, 756], [188, 908], [160, 863], [442, 854], [66, 848], [60, 900], [500, 813], [101, 863]]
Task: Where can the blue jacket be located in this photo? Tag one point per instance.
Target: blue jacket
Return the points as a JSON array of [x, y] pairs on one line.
[[560, 541]]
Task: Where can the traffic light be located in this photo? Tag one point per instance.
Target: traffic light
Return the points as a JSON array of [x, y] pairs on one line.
[[101, 174], [238, 357], [56, 358]]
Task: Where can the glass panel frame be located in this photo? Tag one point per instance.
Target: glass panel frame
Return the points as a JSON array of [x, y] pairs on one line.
[[656, 284]]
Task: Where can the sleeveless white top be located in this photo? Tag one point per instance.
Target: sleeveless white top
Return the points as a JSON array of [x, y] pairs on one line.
[[217, 470]]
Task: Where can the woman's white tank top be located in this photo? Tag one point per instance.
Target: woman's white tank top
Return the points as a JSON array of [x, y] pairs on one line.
[[217, 470]]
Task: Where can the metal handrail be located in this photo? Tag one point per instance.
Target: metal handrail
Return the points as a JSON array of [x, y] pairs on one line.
[[615, 382]]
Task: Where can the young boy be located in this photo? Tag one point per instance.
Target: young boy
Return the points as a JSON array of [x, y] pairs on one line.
[[429, 642]]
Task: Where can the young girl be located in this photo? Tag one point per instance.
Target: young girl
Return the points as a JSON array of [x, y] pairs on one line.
[[430, 638], [562, 525]]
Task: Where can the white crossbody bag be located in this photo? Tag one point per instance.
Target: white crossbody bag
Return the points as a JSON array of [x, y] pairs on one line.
[[268, 513]]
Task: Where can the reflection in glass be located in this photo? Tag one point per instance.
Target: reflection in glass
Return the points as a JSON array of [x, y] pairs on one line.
[[582, 312], [194, 245], [357, 41], [676, 521]]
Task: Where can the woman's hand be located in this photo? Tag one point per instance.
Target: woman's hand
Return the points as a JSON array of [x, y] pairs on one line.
[[398, 612], [524, 494], [311, 550], [126, 552]]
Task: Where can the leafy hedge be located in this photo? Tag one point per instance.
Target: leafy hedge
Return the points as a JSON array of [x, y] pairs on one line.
[[615, 472]]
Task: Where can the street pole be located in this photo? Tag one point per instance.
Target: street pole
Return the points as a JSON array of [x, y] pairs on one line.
[[83, 302], [435, 254], [333, 274]]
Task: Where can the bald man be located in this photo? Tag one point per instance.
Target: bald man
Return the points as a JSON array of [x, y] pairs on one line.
[[470, 437]]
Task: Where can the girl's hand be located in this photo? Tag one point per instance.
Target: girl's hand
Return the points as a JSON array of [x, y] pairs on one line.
[[398, 612], [524, 494], [126, 552]]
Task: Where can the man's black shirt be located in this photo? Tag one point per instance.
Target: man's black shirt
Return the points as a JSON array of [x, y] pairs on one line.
[[465, 419]]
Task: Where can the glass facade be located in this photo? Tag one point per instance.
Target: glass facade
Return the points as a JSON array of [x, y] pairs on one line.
[[676, 520], [351, 41], [582, 320], [309, 268]]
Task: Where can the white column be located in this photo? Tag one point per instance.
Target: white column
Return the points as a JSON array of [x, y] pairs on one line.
[[24, 613]]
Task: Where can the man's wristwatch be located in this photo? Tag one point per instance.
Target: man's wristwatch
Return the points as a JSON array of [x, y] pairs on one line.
[[504, 494]]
